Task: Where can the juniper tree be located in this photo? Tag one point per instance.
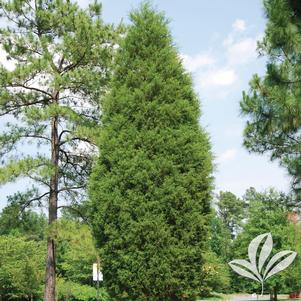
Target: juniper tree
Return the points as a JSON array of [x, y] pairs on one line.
[[273, 105], [61, 57], [151, 186]]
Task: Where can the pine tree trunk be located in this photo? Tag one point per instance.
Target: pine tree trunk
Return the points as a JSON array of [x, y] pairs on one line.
[[49, 294]]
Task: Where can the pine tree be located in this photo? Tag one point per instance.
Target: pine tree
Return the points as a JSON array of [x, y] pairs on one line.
[[273, 105], [151, 185], [59, 58], [231, 211]]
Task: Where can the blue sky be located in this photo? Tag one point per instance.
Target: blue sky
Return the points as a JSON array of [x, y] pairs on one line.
[[217, 41]]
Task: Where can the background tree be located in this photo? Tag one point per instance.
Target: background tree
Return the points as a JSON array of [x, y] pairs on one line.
[[273, 106], [28, 223], [21, 275], [61, 57], [76, 254], [21, 268], [271, 198], [231, 211], [268, 214], [68, 290], [151, 186], [220, 239], [76, 251], [216, 275]]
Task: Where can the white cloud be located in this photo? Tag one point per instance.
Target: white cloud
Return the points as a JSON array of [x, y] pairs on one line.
[[228, 155], [220, 67], [193, 63], [242, 51], [239, 25], [218, 77]]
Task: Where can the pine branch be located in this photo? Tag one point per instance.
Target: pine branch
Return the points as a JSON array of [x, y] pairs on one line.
[[29, 88], [10, 109], [71, 188], [85, 219], [29, 202], [77, 139]]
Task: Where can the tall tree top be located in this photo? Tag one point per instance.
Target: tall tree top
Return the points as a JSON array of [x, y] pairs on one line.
[[148, 64], [61, 56]]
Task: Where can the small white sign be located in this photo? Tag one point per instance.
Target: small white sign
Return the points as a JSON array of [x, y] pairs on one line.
[[95, 270]]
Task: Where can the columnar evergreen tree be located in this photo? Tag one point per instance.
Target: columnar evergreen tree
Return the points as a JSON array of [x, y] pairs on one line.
[[151, 186], [61, 56], [273, 105]]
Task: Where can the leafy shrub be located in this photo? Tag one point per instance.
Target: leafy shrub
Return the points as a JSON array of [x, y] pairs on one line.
[[21, 268], [216, 275], [71, 291]]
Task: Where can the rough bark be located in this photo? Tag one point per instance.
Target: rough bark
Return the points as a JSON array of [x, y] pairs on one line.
[[50, 275]]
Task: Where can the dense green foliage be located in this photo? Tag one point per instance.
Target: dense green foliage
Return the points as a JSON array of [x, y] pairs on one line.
[[273, 105], [216, 276], [231, 211], [21, 267], [22, 257], [15, 221], [75, 251], [268, 213], [220, 239], [151, 186], [72, 291]]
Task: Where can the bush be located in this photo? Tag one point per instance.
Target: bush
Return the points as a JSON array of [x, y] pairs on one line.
[[21, 268], [71, 291], [216, 275]]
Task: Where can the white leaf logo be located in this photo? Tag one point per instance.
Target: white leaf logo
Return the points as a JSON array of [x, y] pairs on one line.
[[254, 269]]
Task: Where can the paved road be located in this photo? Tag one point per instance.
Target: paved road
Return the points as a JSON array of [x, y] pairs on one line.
[[243, 298], [254, 297]]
